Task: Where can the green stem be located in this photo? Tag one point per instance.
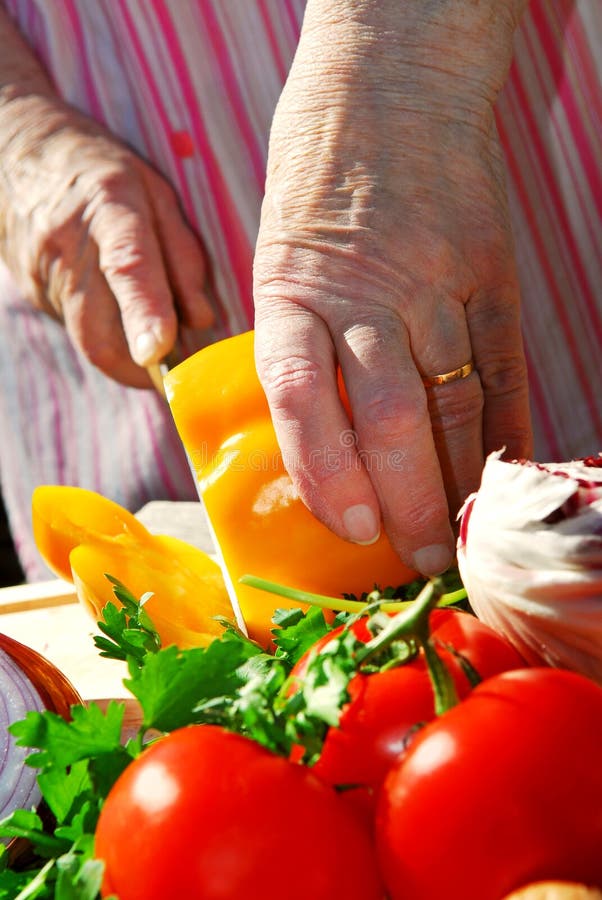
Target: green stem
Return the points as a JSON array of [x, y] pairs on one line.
[[321, 600], [411, 622], [408, 623], [453, 597], [338, 603], [442, 683]]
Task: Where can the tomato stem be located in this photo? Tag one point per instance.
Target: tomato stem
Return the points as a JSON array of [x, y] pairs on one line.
[[413, 623]]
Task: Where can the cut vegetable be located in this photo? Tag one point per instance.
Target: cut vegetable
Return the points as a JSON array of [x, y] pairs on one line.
[[64, 517], [188, 590], [18, 787], [83, 535], [28, 682], [260, 523]]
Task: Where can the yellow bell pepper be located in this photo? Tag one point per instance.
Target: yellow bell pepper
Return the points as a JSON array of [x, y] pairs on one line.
[[260, 523], [83, 535], [65, 516]]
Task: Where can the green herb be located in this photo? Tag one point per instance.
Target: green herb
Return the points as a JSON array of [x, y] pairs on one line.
[[232, 682], [297, 631]]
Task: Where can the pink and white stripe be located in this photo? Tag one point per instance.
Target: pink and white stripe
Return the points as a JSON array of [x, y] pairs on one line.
[[550, 121], [192, 85]]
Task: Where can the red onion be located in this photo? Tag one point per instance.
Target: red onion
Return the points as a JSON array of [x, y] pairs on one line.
[[55, 689], [18, 786], [28, 682]]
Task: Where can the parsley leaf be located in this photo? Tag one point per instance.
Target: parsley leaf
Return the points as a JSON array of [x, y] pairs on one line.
[[232, 682], [297, 631], [90, 733], [129, 631], [172, 683]]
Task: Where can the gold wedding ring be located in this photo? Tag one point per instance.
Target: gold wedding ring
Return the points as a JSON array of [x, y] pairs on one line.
[[446, 377]]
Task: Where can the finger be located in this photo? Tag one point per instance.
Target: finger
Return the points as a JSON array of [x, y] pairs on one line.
[[441, 343], [495, 330], [93, 322], [456, 411], [130, 259], [183, 257], [391, 418], [311, 424]]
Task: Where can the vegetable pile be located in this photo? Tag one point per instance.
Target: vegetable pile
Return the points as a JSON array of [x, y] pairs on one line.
[[406, 754], [402, 749]]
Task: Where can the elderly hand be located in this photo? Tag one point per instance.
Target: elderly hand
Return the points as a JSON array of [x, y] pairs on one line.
[[385, 248], [94, 236]]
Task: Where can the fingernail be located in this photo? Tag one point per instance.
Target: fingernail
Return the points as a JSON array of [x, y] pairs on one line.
[[361, 524], [146, 348], [433, 560]]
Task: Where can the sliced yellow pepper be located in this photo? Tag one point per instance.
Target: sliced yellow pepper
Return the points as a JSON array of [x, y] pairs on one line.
[[83, 535], [186, 585], [65, 516], [261, 525]]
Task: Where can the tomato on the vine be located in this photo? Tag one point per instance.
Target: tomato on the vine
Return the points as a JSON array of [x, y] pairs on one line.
[[502, 790], [204, 814], [386, 707]]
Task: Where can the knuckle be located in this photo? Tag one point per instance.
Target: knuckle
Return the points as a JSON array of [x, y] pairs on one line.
[[456, 406], [321, 489], [423, 515], [122, 257], [318, 480], [388, 415], [115, 180], [494, 319], [319, 267], [503, 376], [290, 380]]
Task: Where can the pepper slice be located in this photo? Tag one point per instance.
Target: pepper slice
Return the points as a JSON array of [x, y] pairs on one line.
[[64, 517], [83, 535], [187, 587], [260, 523]]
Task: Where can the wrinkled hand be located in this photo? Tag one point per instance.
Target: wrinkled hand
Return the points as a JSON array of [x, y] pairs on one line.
[[94, 236], [385, 248]]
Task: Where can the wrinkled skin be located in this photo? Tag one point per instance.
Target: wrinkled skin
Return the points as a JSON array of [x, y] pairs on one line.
[[385, 247], [90, 232]]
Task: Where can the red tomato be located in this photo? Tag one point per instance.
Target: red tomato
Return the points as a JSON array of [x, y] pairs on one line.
[[503, 790], [206, 814], [385, 707]]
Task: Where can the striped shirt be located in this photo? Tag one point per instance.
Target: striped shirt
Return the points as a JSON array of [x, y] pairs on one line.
[[192, 85]]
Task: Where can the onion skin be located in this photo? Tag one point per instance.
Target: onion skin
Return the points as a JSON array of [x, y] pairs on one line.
[[55, 690], [56, 693]]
